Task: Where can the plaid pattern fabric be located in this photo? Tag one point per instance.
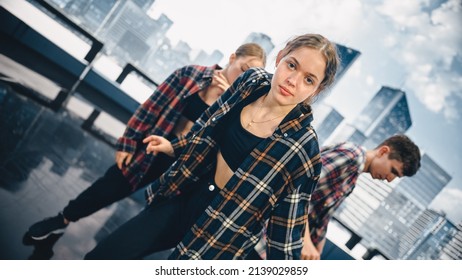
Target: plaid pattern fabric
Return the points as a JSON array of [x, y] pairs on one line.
[[273, 183], [341, 166], [158, 115]]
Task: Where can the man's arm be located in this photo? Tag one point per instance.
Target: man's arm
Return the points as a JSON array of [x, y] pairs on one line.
[[320, 246]]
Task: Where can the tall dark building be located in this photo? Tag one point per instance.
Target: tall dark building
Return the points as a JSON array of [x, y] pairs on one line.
[[130, 34], [453, 249], [326, 120], [385, 115], [424, 186], [203, 58], [90, 14], [426, 237], [262, 39], [347, 57]]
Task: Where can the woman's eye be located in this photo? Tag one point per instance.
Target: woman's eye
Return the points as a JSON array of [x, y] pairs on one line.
[[309, 80], [291, 65]]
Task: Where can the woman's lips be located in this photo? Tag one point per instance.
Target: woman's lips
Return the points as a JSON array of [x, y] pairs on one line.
[[285, 91]]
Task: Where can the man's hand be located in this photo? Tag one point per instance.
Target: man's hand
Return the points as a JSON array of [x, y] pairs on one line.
[[158, 144], [122, 158]]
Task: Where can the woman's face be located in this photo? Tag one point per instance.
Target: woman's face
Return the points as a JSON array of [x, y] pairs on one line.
[[238, 65], [298, 75]]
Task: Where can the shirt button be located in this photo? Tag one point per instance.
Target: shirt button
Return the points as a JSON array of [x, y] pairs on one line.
[[214, 119], [285, 134], [253, 81], [211, 188]]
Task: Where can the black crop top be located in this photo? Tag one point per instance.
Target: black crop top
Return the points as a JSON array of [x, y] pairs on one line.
[[194, 108], [235, 142]]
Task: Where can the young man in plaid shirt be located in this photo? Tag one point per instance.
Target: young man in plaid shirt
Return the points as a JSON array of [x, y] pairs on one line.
[[342, 164]]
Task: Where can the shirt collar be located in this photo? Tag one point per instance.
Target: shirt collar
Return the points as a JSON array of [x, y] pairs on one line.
[[362, 159]]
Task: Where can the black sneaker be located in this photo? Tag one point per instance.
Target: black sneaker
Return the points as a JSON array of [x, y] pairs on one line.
[[43, 229]]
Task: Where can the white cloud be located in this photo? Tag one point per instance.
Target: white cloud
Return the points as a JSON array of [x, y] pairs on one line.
[[390, 41], [400, 44], [370, 80], [429, 45], [449, 199], [403, 13]]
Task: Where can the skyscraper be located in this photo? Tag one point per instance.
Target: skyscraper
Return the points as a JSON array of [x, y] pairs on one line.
[[453, 249], [89, 14], [262, 39], [346, 132], [366, 210], [358, 207], [423, 187], [426, 237], [130, 33], [203, 58], [326, 120], [386, 114], [347, 57]]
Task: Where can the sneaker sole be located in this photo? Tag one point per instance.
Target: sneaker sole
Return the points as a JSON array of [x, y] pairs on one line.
[[58, 231]]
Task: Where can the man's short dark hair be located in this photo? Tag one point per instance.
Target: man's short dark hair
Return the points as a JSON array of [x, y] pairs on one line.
[[405, 151]]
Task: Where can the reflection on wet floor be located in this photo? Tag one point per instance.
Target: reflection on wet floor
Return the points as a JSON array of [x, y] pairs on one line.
[[46, 159]]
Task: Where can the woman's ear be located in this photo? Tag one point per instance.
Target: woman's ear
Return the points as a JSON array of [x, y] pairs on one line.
[[232, 58], [279, 57]]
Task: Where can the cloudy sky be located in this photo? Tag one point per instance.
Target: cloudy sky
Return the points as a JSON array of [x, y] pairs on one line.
[[413, 45]]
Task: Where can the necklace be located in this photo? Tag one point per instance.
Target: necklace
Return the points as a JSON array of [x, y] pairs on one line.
[[256, 113]]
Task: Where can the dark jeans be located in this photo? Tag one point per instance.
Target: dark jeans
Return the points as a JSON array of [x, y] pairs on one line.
[[112, 187], [160, 226]]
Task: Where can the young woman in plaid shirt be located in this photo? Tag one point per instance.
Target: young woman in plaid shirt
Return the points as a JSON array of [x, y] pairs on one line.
[[169, 112], [252, 157]]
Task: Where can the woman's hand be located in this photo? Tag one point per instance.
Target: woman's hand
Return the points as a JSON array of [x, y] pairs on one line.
[[122, 158], [309, 252], [220, 81], [158, 144]]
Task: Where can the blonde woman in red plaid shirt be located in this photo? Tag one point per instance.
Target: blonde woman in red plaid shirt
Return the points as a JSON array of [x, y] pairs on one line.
[[170, 112]]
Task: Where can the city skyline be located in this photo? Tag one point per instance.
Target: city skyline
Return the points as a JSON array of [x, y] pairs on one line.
[[364, 121]]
